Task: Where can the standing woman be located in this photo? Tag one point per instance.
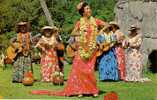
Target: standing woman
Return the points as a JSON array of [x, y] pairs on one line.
[[22, 62], [49, 60], [108, 68], [82, 79], [134, 66], [120, 53]]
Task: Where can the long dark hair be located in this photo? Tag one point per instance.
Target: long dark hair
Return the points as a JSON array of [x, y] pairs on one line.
[[81, 10]]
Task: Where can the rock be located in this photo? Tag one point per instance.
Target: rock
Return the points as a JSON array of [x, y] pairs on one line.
[[142, 13]]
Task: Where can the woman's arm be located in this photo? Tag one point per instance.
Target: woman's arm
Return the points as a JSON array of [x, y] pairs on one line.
[[75, 31], [100, 22], [119, 36], [40, 44], [137, 42]]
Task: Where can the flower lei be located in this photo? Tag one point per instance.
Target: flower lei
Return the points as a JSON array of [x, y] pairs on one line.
[[87, 46], [27, 40], [51, 40]]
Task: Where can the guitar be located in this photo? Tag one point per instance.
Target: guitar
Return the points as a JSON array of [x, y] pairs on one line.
[[11, 53], [13, 50], [71, 49], [73, 45], [103, 47]]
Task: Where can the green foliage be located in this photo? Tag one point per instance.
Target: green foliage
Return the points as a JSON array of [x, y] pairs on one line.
[[13, 11], [64, 13], [5, 38]]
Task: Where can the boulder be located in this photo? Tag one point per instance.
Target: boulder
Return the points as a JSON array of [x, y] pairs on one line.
[[142, 13]]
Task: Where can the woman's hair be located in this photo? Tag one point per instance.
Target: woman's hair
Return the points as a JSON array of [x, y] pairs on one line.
[[81, 10], [115, 26]]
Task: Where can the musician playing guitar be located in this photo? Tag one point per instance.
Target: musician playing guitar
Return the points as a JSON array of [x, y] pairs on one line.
[[108, 69], [22, 57], [103, 45]]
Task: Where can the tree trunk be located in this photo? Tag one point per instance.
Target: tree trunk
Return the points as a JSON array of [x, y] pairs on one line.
[[47, 13]]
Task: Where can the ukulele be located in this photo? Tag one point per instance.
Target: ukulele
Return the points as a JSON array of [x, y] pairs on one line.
[[103, 47]]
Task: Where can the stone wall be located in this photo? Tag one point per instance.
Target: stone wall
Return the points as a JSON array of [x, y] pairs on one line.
[[142, 13]]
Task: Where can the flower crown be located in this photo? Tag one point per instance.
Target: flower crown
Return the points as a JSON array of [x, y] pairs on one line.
[[79, 6]]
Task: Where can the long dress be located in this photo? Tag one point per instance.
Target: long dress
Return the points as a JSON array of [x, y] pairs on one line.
[[49, 59], [22, 63], [108, 68], [81, 79], [134, 66], [120, 54]]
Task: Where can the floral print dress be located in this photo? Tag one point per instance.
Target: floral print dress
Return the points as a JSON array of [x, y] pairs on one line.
[[49, 60], [120, 54], [22, 63], [134, 66], [108, 67]]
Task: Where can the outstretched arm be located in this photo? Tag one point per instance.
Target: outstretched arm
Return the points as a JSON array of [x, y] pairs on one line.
[[100, 22]]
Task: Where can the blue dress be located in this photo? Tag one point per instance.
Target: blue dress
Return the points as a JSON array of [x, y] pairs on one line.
[[108, 67]]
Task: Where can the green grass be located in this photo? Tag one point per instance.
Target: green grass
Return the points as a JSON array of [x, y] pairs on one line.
[[126, 91]]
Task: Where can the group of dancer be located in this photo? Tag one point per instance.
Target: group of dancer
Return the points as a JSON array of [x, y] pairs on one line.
[[118, 56]]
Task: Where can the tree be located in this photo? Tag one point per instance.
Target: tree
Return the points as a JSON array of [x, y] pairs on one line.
[[40, 12], [47, 13]]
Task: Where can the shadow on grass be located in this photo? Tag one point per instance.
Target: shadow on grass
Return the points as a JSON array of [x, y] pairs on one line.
[[102, 92], [109, 80], [90, 95]]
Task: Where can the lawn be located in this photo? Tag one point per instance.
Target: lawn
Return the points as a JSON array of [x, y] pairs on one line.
[[126, 91]]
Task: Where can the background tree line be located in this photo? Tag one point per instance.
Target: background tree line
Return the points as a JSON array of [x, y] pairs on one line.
[[64, 15]]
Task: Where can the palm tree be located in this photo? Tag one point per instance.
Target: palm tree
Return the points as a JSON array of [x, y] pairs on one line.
[[47, 12]]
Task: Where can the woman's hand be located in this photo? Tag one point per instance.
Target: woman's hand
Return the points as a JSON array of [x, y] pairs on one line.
[[125, 44], [19, 49]]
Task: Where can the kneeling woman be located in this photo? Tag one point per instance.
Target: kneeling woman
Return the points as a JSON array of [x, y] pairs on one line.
[[49, 60], [108, 68]]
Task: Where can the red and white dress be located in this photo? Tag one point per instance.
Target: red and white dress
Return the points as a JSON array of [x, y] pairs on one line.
[[120, 54], [81, 79], [134, 67], [49, 60]]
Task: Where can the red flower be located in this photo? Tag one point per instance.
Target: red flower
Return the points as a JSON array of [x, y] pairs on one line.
[[111, 96], [28, 74]]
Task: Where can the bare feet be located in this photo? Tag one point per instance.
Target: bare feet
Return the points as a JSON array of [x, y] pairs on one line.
[[80, 95], [95, 95]]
